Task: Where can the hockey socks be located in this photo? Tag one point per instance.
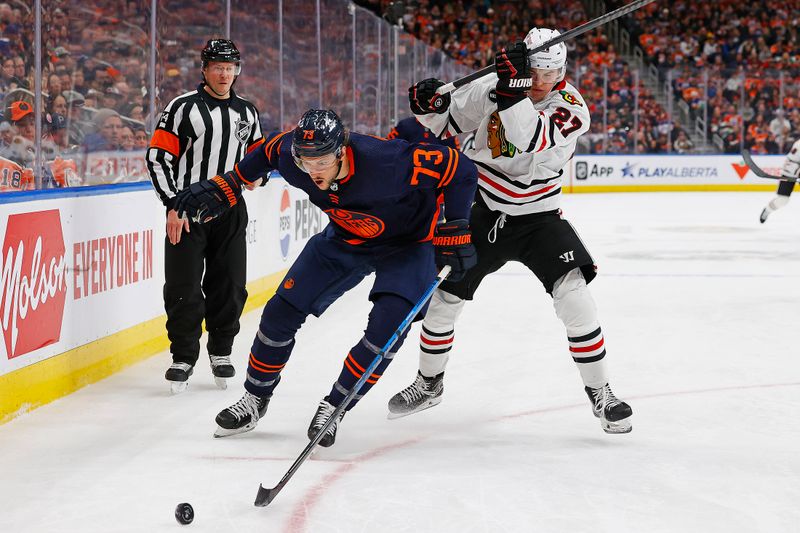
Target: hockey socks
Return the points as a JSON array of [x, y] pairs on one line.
[[272, 346], [436, 338], [388, 311], [588, 352], [356, 362]]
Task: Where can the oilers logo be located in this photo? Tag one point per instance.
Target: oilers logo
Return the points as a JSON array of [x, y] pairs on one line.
[[363, 225], [285, 223]]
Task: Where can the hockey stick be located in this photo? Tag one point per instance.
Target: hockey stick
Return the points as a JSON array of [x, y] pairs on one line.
[[760, 172], [265, 496], [567, 35]]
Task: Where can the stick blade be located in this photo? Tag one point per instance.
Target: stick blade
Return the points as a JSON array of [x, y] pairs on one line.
[[264, 496]]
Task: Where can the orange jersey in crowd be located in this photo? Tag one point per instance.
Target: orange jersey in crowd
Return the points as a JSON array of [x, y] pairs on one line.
[[15, 178]]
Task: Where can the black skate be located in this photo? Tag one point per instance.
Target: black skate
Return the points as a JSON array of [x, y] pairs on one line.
[[241, 416], [614, 414], [222, 369], [420, 395], [324, 412], [178, 376]]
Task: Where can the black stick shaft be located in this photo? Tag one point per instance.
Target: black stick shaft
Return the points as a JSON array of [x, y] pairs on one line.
[[567, 35]]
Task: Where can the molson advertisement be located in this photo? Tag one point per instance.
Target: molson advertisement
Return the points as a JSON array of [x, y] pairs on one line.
[[75, 269]]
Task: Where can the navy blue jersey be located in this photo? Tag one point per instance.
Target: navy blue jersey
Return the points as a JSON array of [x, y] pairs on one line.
[[409, 129], [392, 193]]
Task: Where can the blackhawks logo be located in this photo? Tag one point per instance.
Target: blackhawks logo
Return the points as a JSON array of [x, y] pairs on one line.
[[496, 138], [570, 98]]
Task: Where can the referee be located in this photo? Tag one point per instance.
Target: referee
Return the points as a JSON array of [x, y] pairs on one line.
[[201, 134]]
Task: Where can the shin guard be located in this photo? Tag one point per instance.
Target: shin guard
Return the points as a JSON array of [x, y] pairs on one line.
[[576, 309], [438, 332]]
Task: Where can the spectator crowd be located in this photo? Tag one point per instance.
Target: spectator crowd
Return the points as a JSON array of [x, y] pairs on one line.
[[736, 63]]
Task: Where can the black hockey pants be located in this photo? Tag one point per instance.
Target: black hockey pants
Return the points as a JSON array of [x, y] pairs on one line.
[[219, 249]]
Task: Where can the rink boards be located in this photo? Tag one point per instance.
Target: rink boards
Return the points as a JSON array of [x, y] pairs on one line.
[[82, 280], [649, 173]]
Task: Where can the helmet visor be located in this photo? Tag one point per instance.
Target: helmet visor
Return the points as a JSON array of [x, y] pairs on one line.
[[314, 164], [546, 75]]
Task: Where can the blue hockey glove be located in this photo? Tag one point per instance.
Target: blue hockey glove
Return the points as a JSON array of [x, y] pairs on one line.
[[207, 199], [453, 244]]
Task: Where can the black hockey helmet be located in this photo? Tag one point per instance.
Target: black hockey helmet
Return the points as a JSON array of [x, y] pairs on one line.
[[222, 50], [319, 132]]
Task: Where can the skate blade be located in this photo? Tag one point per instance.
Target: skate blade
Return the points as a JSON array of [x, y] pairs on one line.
[[221, 432], [427, 405], [222, 383], [177, 387], [618, 427]]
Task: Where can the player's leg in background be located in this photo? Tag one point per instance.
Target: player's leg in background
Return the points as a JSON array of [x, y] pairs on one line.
[[435, 342], [224, 286], [438, 328], [184, 303], [785, 189], [576, 309], [551, 248]]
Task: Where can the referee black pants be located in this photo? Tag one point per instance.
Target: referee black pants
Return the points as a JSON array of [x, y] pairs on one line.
[[205, 279]]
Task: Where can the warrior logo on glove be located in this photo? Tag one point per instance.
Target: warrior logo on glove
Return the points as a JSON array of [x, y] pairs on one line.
[[453, 246], [207, 199]]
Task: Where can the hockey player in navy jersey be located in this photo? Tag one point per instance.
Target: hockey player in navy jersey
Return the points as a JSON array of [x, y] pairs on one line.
[[409, 129], [527, 120], [383, 199]]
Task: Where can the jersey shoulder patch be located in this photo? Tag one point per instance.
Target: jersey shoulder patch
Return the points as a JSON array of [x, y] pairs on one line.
[[570, 98]]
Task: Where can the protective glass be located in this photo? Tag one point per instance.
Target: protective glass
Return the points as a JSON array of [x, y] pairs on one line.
[[315, 164], [545, 75]]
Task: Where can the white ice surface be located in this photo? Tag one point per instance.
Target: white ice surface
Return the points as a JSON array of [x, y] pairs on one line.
[[699, 305]]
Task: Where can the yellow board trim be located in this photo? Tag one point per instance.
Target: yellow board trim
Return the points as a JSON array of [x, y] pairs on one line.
[[667, 188], [40, 383]]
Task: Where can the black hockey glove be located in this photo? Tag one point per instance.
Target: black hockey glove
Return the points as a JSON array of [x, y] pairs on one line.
[[423, 98], [513, 75], [453, 245], [207, 199]]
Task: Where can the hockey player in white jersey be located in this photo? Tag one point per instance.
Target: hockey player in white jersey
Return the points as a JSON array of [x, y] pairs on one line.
[[527, 120], [791, 169]]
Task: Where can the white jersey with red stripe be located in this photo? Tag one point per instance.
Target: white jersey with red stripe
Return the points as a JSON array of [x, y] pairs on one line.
[[791, 165], [521, 152]]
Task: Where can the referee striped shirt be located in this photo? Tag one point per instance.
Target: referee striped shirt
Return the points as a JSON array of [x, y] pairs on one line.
[[199, 137]]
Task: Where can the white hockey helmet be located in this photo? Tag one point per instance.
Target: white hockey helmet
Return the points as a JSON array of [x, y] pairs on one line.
[[554, 57]]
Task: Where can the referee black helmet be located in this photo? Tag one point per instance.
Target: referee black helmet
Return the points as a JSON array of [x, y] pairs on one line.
[[223, 51]]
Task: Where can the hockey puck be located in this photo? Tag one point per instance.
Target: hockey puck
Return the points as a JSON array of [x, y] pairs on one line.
[[184, 513]]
